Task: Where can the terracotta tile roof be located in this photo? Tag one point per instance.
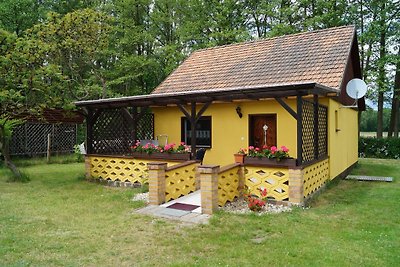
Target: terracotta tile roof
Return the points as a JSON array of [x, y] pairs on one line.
[[318, 56]]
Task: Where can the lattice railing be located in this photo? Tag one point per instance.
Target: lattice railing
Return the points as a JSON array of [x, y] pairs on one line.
[[275, 180], [180, 181], [314, 137], [308, 131], [322, 131], [114, 134], [315, 176], [228, 185], [121, 169]]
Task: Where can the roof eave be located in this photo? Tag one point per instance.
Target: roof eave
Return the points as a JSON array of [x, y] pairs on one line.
[[202, 96]]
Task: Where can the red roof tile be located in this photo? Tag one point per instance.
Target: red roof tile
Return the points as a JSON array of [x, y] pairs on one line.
[[318, 56]]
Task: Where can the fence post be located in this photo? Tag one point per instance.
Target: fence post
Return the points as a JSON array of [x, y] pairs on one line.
[[296, 186], [157, 182], [48, 147], [209, 188]]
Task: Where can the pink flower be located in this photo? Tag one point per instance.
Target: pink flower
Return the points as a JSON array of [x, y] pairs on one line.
[[182, 143], [257, 149], [284, 149], [251, 147], [273, 149]]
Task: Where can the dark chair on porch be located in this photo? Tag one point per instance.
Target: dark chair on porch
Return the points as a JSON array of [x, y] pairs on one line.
[[200, 155]]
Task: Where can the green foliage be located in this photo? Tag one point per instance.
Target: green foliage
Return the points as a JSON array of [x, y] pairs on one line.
[[369, 120], [18, 15], [78, 44], [7, 125], [385, 148]]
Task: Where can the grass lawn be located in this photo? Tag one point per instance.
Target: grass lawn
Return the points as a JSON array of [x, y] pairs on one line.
[[60, 219]]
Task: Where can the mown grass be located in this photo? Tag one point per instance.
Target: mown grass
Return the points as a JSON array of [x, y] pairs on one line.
[[58, 219]]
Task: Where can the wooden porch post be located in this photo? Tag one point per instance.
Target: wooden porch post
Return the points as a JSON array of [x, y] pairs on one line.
[[89, 131], [91, 118], [193, 118], [193, 124]]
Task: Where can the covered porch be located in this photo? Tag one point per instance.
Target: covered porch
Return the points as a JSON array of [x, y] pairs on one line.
[[114, 125]]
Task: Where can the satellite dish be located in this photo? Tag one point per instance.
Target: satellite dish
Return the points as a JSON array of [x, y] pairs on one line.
[[356, 88]]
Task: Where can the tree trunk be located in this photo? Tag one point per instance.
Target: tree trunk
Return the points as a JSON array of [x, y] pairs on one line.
[[5, 151], [381, 71], [394, 115]]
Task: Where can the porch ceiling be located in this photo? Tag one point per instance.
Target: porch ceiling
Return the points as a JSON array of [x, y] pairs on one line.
[[206, 96]]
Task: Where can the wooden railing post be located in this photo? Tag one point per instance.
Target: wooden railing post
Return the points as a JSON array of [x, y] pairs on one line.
[[209, 188], [296, 186], [157, 182]]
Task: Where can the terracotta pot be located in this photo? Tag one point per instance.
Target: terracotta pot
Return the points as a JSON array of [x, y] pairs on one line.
[[270, 162], [165, 156], [239, 158]]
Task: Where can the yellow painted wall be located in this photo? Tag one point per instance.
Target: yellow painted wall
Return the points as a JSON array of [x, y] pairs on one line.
[[343, 144], [229, 132]]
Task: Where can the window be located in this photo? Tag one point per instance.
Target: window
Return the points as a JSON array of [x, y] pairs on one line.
[[337, 121], [203, 132]]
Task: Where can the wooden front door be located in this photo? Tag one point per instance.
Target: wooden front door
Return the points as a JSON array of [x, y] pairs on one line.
[[262, 130]]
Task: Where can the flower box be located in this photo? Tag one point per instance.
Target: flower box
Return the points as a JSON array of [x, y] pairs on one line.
[[289, 162], [164, 156]]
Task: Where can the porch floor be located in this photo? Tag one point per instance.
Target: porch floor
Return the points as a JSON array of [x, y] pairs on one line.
[[188, 216]]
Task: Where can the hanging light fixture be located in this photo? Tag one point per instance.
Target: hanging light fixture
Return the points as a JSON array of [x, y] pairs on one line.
[[239, 111]]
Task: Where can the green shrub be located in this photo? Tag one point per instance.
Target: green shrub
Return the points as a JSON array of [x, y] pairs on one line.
[[385, 148]]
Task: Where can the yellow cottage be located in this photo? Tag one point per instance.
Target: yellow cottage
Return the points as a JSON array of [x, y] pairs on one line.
[[285, 91]]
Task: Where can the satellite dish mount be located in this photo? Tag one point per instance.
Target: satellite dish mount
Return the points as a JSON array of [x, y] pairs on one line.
[[356, 89]]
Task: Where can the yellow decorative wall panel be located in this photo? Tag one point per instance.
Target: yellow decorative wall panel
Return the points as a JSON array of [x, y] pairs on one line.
[[122, 169], [315, 176], [180, 181], [228, 186], [275, 180]]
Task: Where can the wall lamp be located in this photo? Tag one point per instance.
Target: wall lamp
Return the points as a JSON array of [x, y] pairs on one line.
[[239, 111]]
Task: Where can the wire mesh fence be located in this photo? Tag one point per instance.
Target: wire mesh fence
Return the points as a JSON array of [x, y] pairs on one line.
[[31, 139]]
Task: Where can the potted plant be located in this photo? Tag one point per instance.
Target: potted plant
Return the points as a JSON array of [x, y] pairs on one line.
[[269, 156], [239, 156], [167, 152]]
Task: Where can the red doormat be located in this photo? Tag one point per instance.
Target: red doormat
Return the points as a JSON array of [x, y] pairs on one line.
[[182, 206]]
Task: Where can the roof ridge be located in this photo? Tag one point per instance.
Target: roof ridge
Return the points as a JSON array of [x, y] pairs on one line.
[[273, 38]]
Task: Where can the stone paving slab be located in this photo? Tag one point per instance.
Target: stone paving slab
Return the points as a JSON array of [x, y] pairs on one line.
[[173, 214], [369, 178]]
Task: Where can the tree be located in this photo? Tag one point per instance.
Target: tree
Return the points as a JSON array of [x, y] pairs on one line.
[[78, 43], [27, 85], [394, 115], [377, 20], [18, 15]]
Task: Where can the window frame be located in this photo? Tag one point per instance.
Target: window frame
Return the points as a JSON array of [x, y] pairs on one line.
[[184, 130]]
